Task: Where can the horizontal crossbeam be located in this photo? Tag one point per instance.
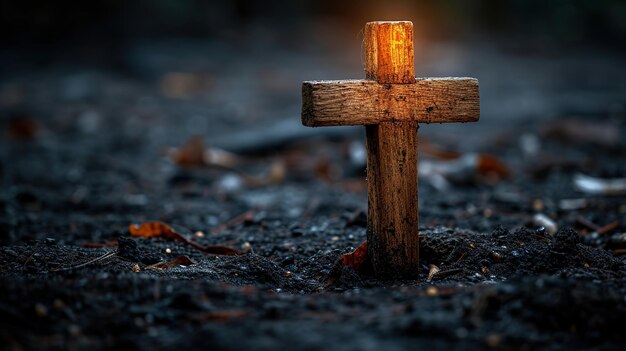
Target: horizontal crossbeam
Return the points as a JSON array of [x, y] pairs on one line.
[[366, 102]]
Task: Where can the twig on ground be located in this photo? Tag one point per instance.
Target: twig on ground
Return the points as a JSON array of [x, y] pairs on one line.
[[95, 260], [609, 227]]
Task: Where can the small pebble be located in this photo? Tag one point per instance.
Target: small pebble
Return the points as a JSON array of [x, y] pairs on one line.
[[73, 330], [542, 220], [493, 340], [432, 271], [538, 205], [288, 260], [135, 268], [246, 247], [41, 310], [168, 250], [58, 304], [139, 322], [432, 291], [199, 234]]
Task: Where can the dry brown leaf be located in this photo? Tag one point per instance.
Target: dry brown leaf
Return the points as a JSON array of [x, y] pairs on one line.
[[274, 175], [468, 168], [23, 128], [154, 230], [220, 316], [356, 259], [435, 151], [182, 85], [190, 154], [164, 231], [490, 165], [195, 153]]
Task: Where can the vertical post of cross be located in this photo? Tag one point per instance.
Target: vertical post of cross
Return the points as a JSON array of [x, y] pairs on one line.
[[392, 228]]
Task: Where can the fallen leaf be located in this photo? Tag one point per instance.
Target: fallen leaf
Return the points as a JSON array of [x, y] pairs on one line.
[[155, 230], [220, 316], [190, 154], [178, 261], [274, 175], [468, 168], [490, 165], [356, 259], [435, 151], [194, 153], [182, 85], [23, 128], [218, 157], [164, 231]]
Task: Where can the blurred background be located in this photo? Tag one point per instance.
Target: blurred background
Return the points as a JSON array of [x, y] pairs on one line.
[[228, 64], [104, 107]]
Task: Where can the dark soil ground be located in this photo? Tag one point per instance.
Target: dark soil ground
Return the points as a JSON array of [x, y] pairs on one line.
[[84, 155]]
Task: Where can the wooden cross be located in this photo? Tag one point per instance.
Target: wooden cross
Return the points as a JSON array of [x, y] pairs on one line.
[[390, 103]]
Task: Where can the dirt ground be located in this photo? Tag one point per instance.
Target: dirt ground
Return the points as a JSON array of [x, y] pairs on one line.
[[88, 151]]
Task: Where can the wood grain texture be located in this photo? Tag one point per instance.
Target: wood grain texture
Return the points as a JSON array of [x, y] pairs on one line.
[[366, 102], [390, 103], [392, 221], [392, 215], [389, 52]]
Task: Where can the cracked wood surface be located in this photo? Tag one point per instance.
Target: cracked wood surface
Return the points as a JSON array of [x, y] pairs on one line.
[[389, 51], [367, 102]]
